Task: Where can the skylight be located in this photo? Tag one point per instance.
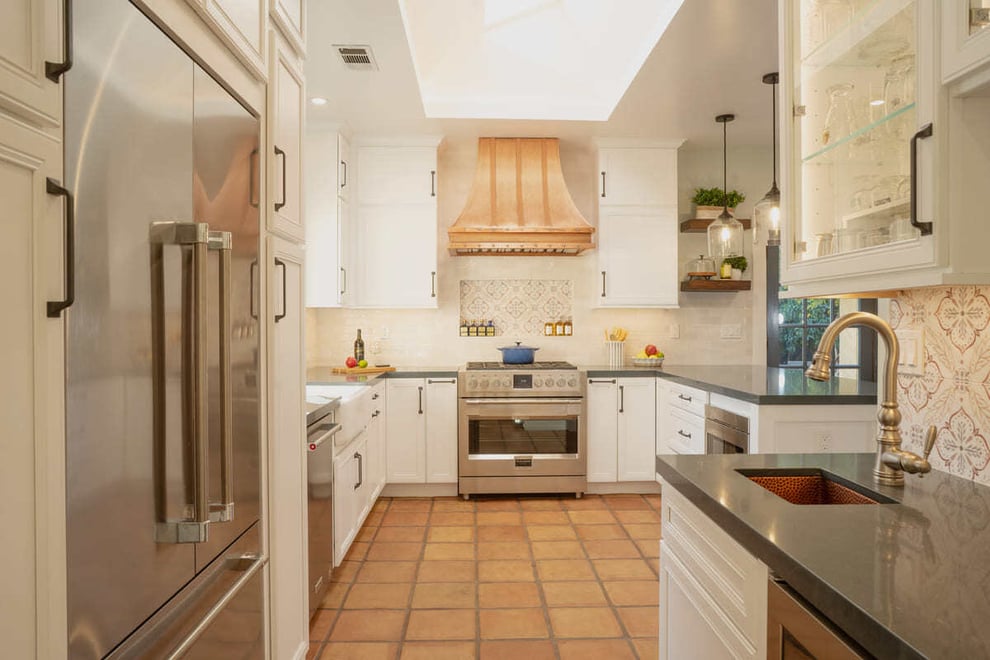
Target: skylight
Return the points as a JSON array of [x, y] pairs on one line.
[[530, 59]]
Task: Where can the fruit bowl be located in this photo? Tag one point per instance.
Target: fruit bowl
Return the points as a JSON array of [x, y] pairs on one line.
[[647, 362]]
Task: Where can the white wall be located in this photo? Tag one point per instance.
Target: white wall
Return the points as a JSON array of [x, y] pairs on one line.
[[689, 335]]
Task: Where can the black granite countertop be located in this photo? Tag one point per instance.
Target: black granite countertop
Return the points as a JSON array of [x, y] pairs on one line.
[[755, 384], [905, 580]]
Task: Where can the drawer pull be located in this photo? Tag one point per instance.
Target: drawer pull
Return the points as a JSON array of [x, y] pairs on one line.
[[684, 398], [683, 434]]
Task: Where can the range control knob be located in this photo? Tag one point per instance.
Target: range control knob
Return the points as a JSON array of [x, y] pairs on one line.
[[484, 384], [548, 382], [572, 382], [472, 384], [560, 382], [507, 382]]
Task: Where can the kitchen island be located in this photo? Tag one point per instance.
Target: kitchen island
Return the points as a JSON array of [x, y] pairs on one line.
[[908, 579]]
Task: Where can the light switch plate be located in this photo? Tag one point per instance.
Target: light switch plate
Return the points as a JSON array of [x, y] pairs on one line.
[[731, 331], [912, 357]]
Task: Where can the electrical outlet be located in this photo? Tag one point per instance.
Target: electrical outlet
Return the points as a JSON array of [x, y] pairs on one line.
[[385, 332], [731, 331], [823, 441], [673, 331], [911, 361]]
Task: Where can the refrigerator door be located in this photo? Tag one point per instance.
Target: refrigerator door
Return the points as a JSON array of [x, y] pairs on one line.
[[128, 161], [225, 188]]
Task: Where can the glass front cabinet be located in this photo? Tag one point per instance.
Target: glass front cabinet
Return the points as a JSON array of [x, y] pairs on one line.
[[965, 39], [867, 149]]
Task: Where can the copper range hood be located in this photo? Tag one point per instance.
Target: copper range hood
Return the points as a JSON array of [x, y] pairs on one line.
[[519, 204]]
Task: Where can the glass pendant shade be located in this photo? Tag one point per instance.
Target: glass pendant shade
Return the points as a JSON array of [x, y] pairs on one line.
[[766, 217], [725, 238]]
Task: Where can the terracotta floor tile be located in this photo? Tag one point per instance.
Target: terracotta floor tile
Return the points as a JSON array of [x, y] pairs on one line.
[[653, 500], [595, 649], [600, 532], [498, 504], [450, 534], [557, 570], [391, 571], [623, 569], [638, 517], [400, 534], [405, 518], [358, 551], [453, 504], [503, 550], [587, 503], [374, 518], [508, 594], [615, 549], [654, 564], [359, 651], [551, 532], [643, 531], [314, 650], [441, 624], [640, 621], [584, 622], [517, 650], [638, 592], [541, 504], [368, 626], [499, 518], [557, 550], [626, 502], [647, 649], [366, 533], [382, 504], [570, 594], [346, 571], [505, 570], [513, 624], [591, 517], [447, 571], [649, 547], [502, 533], [334, 597], [546, 518], [438, 651], [448, 551], [452, 518], [320, 624], [437, 595], [394, 551], [411, 504], [369, 595]]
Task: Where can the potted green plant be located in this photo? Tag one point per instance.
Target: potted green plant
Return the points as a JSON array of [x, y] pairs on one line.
[[737, 266], [709, 202]]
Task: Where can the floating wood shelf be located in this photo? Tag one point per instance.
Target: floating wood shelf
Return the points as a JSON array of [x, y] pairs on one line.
[[700, 225], [716, 285]]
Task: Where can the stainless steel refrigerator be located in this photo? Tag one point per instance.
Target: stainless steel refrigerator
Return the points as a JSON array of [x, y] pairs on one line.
[[162, 400]]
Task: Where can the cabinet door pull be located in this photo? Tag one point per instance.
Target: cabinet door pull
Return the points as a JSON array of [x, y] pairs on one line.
[[601, 380], [251, 307], [252, 185], [433, 284], [433, 183], [54, 70], [55, 307], [279, 152], [420, 399], [603, 284], [684, 398], [285, 301], [360, 467], [603, 184], [622, 398], [343, 183], [925, 227], [431, 381], [343, 280], [683, 434]]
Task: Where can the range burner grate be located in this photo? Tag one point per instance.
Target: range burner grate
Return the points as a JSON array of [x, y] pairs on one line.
[[476, 366]]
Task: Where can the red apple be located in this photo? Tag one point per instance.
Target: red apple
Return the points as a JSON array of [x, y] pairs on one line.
[[350, 362], [650, 349]]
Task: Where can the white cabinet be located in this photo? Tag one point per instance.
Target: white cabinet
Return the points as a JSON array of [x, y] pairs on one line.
[[394, 230], [242, 25], [31, 37], [637, 224], [621, 429], [287, 527], [326, 212], [343, 166], [680, 418], [286, 111], [965, 39], [377, 454], [290, 17], [349, 468], [713, 592], [421, 430]]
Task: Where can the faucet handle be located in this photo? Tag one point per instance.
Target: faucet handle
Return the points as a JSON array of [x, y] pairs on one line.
[[930, 437]]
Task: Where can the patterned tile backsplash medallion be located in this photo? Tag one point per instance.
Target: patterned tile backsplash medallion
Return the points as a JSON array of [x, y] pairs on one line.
[[953, 394], [519, 308]]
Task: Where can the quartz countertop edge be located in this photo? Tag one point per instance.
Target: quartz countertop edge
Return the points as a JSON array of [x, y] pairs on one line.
[[322, 375], [864, 568]]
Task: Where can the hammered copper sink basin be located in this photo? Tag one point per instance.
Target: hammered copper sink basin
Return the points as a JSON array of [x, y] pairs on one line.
[[813, 486]]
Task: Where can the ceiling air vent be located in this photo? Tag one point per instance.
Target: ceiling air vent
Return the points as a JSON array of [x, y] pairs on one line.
[[357, 57]]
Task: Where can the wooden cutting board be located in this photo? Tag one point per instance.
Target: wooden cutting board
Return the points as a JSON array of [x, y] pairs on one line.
[[362, 370]]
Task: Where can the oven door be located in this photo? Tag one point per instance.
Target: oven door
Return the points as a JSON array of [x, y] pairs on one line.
[[521, 437]]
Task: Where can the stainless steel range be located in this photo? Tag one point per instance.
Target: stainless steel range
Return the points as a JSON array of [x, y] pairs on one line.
[[521, 428]]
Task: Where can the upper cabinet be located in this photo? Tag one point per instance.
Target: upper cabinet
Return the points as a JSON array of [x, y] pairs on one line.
[[242, 25], [326, 211], [32, 44], [965, 39], [286, 115], [637, 225], [290, 17]]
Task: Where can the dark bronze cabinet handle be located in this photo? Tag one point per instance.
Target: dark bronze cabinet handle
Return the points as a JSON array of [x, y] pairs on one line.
[[360, 468], [54, 70], [55, 307], [451, 381], [622, 398], [433, 183], [433, 284], [603, 184], [251, 309], [592, 381], [343, 183], [684, 398], [420, 399], [603, 284], [252, 186], [925, 132], [683, 434], [279, 152], [285, 301], [343, 280]]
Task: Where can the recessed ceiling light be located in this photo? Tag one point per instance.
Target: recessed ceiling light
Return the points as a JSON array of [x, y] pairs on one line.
[[877, 102], [318, 100]]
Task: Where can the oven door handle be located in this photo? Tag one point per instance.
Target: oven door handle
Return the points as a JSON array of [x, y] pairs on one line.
[[525, 400]]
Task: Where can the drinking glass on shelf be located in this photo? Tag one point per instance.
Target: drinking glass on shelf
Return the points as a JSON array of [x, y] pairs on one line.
[[839, 116], [835, 15], [898, 83]]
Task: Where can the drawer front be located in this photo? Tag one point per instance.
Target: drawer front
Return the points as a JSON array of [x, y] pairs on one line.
[[732, 577], [685, 432], [688, 399]]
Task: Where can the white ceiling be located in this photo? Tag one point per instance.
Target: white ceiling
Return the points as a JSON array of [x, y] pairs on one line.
[[709, 61]]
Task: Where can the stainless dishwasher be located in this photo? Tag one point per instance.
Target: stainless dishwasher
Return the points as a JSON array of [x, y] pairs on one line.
[[319, 486], [725, 432]]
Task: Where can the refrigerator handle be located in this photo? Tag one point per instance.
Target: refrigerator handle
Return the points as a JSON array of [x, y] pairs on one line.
[[285, 301], [192, 238], [220, 241], [55, 307], [54, 70], [279, 152]]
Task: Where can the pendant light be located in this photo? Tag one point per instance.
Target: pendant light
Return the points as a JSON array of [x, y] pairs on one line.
[[766, 213], [725, 234]]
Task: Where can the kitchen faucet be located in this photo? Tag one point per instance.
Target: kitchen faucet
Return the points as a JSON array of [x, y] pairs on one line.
[[892, 461]]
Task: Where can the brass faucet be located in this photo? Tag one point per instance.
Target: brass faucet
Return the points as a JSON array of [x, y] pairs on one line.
[[892, 461]]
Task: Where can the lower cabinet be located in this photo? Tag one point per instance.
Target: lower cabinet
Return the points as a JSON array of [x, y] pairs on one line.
[[713, 592], [621, 429], [421, 430]]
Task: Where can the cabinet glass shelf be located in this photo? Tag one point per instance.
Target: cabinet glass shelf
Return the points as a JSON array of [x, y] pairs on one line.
[[860, 132], [866, 40]]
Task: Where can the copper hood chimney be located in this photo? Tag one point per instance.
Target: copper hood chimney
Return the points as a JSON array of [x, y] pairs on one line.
[[519, 204]]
